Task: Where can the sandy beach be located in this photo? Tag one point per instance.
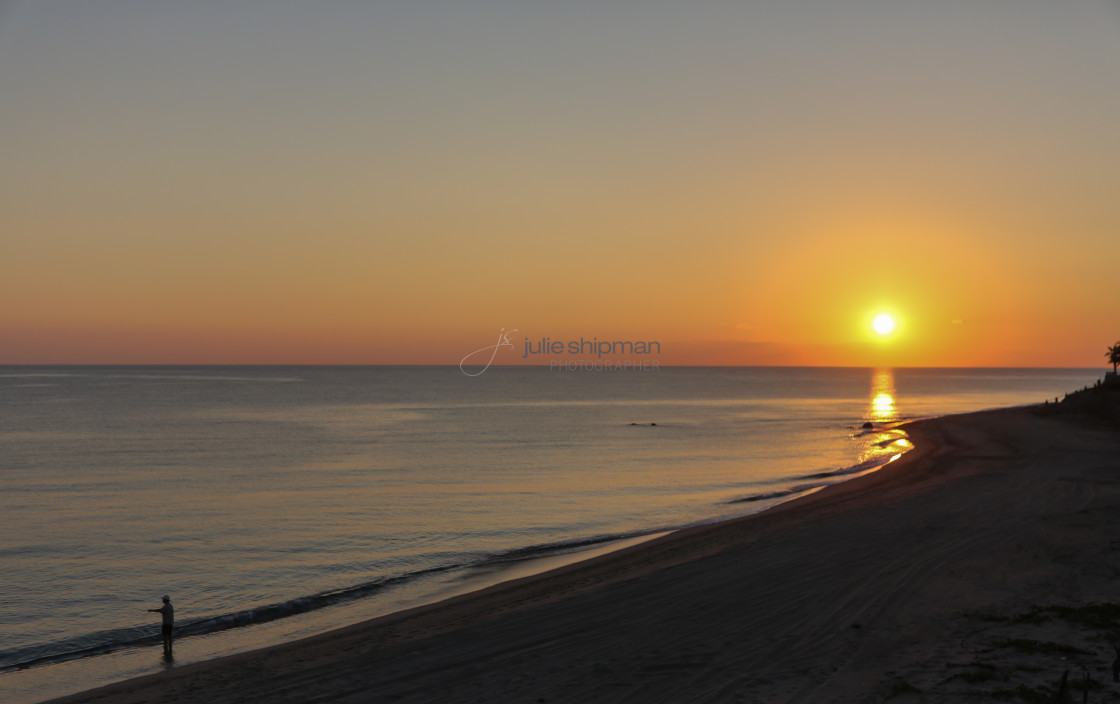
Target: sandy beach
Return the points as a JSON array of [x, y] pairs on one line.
[[982, 565]]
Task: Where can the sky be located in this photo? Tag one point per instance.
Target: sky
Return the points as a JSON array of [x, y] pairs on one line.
[[746, 183]]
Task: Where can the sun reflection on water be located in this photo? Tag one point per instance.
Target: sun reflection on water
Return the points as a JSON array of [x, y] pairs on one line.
[[882, 408], [879, 440]]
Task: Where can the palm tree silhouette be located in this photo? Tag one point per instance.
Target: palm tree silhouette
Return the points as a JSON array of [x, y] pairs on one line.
[[1113, 355]]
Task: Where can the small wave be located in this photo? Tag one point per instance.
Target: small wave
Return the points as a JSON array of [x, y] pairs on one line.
[[780, 493], [854, 469], [532, 552]]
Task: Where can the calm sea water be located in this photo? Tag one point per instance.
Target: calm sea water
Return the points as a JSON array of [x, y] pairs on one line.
[[272, 502]]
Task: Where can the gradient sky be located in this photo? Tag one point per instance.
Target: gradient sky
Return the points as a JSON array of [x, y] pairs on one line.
[[243, 181]]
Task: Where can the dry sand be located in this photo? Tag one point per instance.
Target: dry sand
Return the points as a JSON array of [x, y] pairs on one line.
[[964, 571]]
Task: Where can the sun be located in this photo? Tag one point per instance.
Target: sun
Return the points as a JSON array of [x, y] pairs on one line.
[[883, 323]]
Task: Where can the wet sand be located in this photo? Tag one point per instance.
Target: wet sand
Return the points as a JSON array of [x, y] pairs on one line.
[[962, 571]]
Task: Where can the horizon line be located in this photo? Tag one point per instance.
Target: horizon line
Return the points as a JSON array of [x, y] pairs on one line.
[[523, 366]]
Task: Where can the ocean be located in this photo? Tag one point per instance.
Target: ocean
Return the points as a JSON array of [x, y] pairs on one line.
[[273, 502]]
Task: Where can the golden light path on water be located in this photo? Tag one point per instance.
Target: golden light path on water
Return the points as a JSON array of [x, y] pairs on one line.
[[882, 410]]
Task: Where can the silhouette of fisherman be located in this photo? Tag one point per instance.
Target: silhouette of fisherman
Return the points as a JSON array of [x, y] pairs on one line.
[[168, 612]]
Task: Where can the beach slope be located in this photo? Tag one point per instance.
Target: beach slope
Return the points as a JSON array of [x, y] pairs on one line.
[[983, 562]]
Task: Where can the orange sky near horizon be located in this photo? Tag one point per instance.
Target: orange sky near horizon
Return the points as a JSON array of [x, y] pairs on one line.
[[745, 185]]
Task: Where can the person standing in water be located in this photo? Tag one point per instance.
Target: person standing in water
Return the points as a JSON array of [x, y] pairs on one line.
[[168, 612]]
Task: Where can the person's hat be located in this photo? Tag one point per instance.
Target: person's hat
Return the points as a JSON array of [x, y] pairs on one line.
[[166, 598]]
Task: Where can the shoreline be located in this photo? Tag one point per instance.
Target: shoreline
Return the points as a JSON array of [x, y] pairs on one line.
[[474, 647]]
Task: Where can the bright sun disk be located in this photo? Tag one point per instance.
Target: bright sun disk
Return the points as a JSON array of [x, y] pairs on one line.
[[883, 324]]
